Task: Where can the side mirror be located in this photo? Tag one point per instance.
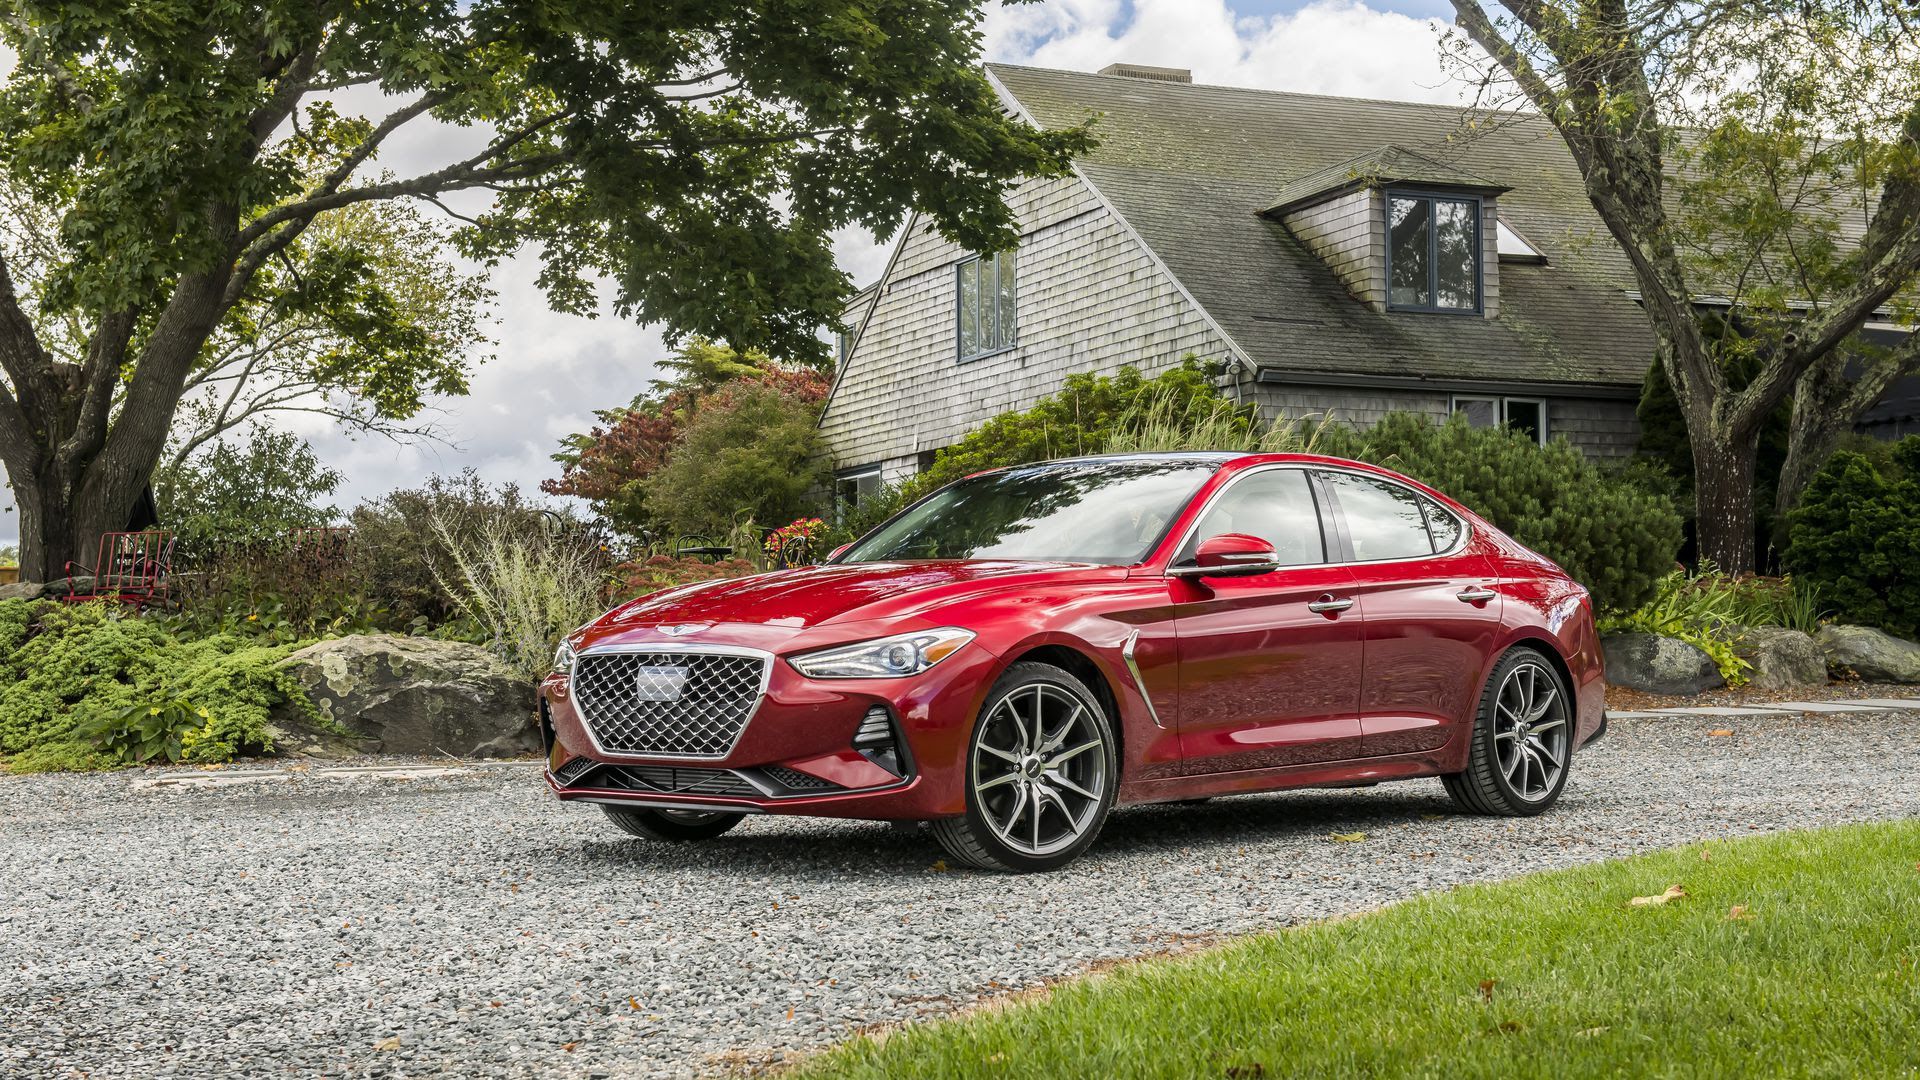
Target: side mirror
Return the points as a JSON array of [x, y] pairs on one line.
[[1231, 555], [835, 553]]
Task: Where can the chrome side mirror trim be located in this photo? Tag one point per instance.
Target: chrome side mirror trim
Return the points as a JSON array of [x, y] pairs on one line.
[[1248, 565]]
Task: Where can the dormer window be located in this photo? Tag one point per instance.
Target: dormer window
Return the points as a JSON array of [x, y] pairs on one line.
[[1513, 247], [1433, 252]]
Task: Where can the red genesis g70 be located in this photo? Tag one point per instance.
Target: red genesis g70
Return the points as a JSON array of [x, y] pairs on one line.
[[1021, 651]]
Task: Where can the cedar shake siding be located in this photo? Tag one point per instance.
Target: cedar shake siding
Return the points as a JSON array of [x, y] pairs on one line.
[[1089, 297]]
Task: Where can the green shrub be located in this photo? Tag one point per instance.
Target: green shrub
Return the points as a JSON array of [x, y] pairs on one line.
[[1614, 535], [1856, 536], [752, 452], [251, 489], [76, 682], [526, 588], [397, 559], [1087, 416], [1701, 610]]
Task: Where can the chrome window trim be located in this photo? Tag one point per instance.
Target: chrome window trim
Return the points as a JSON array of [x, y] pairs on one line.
[[1466, 527], [580, 700], [1139, 683]]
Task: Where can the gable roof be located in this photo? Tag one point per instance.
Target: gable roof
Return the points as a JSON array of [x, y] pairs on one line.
[[1386, 165], [1191, 168]]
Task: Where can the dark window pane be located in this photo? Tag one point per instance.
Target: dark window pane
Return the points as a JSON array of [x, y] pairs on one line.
[[1525, 416], [1007, 324], [1276, 506], [1457, 254], [1110, 512], [1383, 520], [1480, 412], [1444, 527], [989, 292], [1408, 225], [968, 296]]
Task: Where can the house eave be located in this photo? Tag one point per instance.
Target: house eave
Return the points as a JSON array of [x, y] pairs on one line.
[[1360, 380]]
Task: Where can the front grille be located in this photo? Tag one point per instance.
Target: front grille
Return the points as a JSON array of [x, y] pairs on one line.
[[672, 780], [668, 704]]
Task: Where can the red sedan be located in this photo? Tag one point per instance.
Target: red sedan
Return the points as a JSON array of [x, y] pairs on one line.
[[1021, 651]]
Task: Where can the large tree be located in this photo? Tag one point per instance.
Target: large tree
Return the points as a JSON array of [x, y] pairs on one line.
[[697, 153], [1760, 168]]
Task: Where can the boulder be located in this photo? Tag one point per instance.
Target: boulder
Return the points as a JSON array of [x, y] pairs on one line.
[[23, 590], [1658, 665], [1781, 657], [408, 695], [1870, 654]]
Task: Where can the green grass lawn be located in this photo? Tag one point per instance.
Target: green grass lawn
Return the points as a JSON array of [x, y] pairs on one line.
[[1547, 976]]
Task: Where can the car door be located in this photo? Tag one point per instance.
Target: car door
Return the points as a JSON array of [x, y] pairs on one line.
[[1269, 664], [1423, 581]]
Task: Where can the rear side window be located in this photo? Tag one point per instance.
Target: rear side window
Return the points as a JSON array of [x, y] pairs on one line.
[[1384, 521], [1275, 505], [1441, 523]]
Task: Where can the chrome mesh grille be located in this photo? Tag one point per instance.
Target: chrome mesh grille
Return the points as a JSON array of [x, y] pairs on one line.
[[617, 695]]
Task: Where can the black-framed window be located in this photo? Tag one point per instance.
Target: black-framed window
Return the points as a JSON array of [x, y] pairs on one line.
[[984, 288], [1433, 252], [1523, 414], [854, 486]]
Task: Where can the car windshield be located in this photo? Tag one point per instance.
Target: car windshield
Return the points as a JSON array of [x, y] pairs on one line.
[[1090, 512]]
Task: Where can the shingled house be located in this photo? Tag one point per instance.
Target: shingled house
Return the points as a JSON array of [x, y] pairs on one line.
[[1336, 254]]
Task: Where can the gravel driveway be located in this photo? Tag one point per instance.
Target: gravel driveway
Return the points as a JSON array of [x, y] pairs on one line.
[[468, 924]]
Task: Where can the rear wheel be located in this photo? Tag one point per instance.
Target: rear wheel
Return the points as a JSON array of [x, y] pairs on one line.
[[1522, 740], [673, 826], [1041, 772]]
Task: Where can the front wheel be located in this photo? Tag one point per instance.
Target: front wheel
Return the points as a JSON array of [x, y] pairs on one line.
[[1522, 740], [1041, 772], [673, 826]]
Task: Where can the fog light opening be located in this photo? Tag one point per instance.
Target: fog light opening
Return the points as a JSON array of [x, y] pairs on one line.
[[879, 742]]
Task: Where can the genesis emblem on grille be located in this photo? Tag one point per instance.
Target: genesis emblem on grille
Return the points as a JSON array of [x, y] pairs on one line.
[[684, 701], [659, 683]]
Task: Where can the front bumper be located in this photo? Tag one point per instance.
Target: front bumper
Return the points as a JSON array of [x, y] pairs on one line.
[[797, 753]]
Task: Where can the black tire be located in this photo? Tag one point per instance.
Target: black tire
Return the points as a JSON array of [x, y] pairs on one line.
[[672, 826], [1494, 782], [972, 839]]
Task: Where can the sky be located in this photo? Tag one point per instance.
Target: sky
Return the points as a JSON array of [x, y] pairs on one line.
[[549, 371]]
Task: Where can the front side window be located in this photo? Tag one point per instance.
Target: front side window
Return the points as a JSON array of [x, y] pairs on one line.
[[1525, 415], [984, 287], [1275, 505], [1384, 521], [1433, 253], [1105, 512]]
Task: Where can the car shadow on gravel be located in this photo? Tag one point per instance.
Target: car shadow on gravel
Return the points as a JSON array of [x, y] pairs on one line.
[[843, 849]]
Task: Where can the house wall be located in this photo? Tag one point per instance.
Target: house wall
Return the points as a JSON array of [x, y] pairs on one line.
[[1601, 428], [1089, 298], [1350, 233]]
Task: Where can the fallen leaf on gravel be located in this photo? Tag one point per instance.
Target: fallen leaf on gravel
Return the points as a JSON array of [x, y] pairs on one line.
[[568, 1047], [1721, 731], [1486, 988], [634, 1003], [1676, 892], [1432, 817], [940, 866], [1347, 837], [388, 1044], [1739, 911]]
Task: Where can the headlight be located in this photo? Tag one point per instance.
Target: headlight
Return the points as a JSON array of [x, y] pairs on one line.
[[563, 658], [884, 658]]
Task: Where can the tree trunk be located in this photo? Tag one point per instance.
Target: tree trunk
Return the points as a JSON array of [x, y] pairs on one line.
[[1821, 415], [1723, 499], [46, 526]]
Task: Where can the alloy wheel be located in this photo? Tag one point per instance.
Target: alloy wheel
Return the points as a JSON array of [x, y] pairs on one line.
[[1531, 736], [1039, 769]]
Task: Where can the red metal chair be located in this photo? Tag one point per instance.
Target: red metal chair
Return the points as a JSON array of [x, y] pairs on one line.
[[132, 568]]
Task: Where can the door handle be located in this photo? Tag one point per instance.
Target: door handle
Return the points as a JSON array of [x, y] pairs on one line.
[[1328, 603], [1474, 594]]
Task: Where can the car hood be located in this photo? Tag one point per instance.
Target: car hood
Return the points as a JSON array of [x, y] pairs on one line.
[[793, 600]]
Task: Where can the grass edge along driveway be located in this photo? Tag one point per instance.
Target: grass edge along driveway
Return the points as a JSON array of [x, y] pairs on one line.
[[1792, 954]]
